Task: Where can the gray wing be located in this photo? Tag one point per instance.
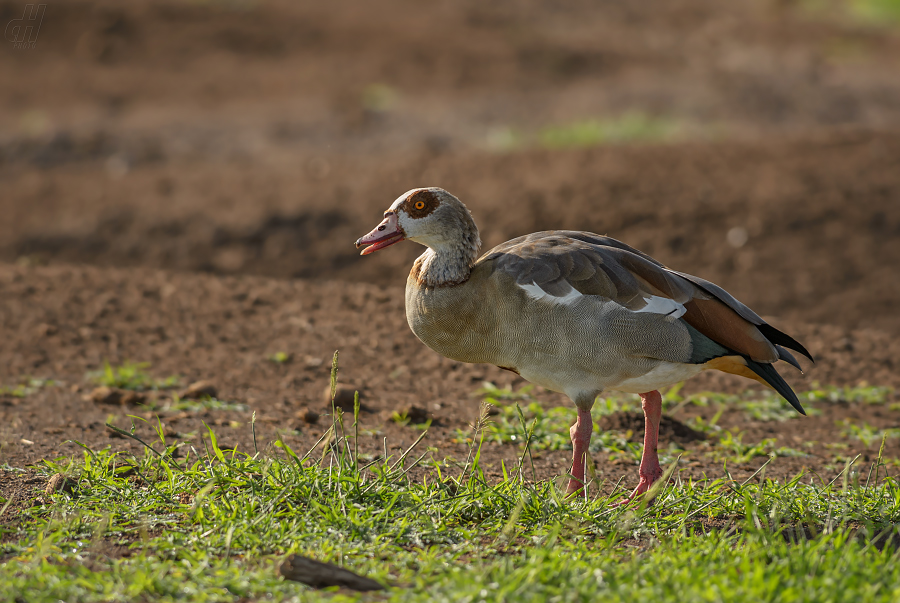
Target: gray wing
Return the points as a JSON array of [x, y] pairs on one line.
[[560, 261]]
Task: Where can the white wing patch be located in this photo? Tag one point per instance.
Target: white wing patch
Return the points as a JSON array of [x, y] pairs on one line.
[[663, 305], [655, 304], [535, 292]]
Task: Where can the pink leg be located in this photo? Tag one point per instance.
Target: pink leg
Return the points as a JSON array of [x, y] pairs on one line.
[[581, 439], [650, 471]]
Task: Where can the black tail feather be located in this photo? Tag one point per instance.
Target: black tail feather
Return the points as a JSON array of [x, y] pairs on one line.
[[788, 357], [771, 376], [783, 339]]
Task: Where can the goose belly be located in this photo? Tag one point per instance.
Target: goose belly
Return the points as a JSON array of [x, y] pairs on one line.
[[662, 375], [634, 376]]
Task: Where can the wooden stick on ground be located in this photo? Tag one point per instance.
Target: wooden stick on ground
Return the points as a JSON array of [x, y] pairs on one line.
[[321, 575]]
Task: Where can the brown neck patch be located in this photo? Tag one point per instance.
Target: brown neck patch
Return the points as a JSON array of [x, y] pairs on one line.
[[421, 203]]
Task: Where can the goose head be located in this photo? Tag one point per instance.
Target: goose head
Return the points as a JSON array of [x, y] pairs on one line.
[[431, 217]]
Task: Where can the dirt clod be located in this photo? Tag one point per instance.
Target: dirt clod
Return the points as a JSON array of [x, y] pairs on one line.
[[114, 395], [198, 389], [307, 415], [343, 397], [415, 414], [59, 483], [670, 430]]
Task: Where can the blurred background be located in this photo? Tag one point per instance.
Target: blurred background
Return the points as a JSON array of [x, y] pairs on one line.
[[754, 142]]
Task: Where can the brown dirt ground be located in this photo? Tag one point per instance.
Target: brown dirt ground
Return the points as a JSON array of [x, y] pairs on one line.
[[182, 184]]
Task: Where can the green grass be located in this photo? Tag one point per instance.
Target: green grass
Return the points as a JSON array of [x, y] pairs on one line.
[[134, 376], [379, 98], [876, 11], [759, 405], [202, 404], [867, 434], [131, 375], [27, 386], [871, 12], [548, 429], [281, 357], [213, 526], [731, 448], [210, 524], [519, 418], [630, 127]]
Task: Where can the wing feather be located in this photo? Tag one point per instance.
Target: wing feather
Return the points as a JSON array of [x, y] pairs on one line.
[[559, 261]]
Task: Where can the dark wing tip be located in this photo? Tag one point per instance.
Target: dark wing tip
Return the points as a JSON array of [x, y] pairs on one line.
[[783, 354], [771, 376], [783, 339]]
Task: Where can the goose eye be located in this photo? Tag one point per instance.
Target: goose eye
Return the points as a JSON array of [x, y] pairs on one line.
[[420, 205]]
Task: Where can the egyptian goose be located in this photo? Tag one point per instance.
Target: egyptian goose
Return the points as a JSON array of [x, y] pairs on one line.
[[574, 312]]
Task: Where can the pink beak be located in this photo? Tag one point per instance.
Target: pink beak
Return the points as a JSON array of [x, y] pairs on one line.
[[384, 235]]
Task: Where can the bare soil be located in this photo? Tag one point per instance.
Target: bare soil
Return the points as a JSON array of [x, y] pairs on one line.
[[182, 185]]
